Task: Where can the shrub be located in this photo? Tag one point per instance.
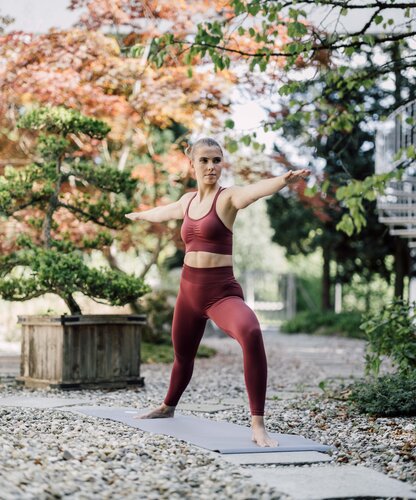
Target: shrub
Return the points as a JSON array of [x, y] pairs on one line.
[[387, 396], [325, 323], [391, 332]]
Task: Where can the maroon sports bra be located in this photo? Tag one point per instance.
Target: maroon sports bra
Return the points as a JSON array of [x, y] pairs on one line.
[[208, 233]]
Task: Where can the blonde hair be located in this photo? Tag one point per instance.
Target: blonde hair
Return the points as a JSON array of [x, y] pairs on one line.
[[206, 141]]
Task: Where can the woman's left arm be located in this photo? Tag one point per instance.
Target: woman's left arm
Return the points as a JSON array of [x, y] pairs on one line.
[[243, 196]]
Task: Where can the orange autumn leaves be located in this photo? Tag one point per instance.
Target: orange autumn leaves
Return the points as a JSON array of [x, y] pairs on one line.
[[88, 70], [91, 70], [85, 70]]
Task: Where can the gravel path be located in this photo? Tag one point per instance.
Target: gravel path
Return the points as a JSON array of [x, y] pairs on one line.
[[47, 454]]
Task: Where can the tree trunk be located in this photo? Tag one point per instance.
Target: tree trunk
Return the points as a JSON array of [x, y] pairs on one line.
[[326, 279], [53, 203], [72, 305], [368, 296], [401, 266], [401, 253]]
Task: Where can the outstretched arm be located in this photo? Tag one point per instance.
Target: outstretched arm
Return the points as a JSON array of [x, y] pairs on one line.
[[160, 214], [243, 196]]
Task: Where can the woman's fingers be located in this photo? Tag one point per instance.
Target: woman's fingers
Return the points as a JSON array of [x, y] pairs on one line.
[[294, 175]]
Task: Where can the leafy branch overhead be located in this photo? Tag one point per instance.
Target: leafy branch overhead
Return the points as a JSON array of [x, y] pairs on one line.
[[64, 178], [280, 39], [260, 31], [279, 34]]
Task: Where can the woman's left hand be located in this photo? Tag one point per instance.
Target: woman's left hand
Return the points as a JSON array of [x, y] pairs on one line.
[[294, 175]]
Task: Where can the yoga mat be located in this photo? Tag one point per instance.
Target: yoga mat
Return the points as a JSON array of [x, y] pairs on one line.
[[223, 437]]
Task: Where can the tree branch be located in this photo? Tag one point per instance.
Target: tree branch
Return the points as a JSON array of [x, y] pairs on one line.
[[87, 215], [323, 46]]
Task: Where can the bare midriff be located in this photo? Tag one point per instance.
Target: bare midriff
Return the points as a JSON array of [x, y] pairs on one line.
[[207, 259]]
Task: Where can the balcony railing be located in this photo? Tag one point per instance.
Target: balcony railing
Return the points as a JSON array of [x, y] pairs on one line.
[[397, 207]]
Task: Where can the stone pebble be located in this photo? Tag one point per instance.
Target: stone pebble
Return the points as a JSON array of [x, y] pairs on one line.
[[49, 453]]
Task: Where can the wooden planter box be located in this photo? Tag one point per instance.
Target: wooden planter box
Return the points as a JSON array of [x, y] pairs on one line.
[[81, 351]]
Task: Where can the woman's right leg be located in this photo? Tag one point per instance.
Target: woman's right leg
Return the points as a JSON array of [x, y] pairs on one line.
[[188, 328]]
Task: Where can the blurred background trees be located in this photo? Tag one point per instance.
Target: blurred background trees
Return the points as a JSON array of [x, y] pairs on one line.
[[159, 73]]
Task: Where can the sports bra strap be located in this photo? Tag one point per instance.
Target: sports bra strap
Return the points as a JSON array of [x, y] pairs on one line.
[[216, 196], [187, 208]]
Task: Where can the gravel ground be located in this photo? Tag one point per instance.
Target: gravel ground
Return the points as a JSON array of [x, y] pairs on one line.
[[50, 453]]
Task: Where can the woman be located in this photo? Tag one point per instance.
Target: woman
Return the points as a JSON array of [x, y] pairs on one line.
[[208, 288]]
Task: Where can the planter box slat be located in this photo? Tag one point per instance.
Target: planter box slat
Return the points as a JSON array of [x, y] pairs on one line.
[[81, 351]]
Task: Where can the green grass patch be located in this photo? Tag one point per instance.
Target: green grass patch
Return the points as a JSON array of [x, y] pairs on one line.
[[163, 352]]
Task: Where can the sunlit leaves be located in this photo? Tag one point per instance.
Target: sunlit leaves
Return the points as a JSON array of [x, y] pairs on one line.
[[296, 29], [378, 19], [353, 194]]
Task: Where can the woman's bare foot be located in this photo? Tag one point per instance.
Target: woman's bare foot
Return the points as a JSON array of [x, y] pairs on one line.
[[163, 411], [259, 434]]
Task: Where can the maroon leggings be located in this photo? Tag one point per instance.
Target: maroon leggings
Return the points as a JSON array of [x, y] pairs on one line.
[[213, 292]]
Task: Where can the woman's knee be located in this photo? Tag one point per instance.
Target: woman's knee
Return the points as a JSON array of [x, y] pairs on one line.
[[184, 359], [251, 335]]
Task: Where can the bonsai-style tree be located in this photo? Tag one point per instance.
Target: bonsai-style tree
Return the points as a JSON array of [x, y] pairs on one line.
[[64, 177]]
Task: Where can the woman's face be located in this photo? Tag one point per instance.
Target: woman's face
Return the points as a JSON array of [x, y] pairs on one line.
[[207, 162]]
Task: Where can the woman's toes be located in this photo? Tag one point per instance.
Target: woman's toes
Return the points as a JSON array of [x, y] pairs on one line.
[[141, 416], [263, 439]]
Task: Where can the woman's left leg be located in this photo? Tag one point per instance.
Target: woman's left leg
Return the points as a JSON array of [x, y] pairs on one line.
[[239, 321], [236, 318]]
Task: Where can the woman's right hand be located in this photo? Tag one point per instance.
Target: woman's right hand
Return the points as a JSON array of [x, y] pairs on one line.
[[132, 215]]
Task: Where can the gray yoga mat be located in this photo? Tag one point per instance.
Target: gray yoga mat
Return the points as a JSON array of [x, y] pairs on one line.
[[223, 437]]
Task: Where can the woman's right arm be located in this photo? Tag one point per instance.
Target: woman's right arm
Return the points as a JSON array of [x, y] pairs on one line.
[[162, 213]]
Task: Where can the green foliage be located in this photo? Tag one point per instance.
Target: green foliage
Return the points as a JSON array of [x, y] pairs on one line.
[[392, 395], [333, 55], [345, 324], [64, 274], [294, 224], [391, 332], [104, 177], [348, 176], [102, 239], [353, 194], [105, 195], [63, 121], [51, 147], [16, 186]]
